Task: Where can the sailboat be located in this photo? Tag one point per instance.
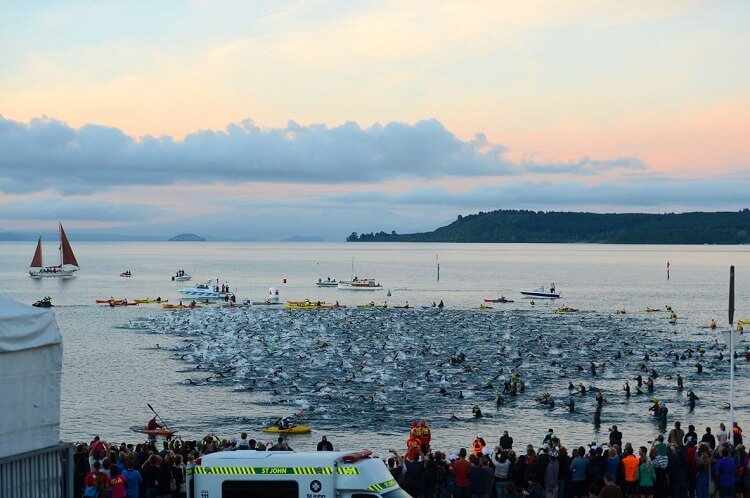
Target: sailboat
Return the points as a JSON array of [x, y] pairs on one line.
[[356, 283], [68, 264]]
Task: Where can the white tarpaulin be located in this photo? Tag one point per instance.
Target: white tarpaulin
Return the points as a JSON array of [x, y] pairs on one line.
[[30, 370]]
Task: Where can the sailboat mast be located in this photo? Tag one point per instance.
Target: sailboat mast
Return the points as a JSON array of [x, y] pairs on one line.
[[60, 234]]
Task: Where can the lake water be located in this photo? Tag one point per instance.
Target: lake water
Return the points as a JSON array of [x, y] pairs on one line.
[[113, 367]]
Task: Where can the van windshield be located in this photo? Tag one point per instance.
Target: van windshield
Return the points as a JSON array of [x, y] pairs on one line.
[[396, 493]]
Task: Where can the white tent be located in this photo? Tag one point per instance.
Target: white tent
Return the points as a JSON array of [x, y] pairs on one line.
[[30, 370]]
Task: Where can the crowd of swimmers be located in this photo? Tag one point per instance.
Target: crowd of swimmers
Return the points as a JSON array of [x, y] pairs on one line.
[[683, 464]]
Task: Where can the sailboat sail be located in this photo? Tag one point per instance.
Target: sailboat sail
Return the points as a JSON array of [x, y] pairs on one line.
[[67, 257], [36, 262]]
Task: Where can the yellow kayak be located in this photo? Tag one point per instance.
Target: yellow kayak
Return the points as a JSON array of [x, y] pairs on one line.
[[297, 429], [148, 300], [565, 309]]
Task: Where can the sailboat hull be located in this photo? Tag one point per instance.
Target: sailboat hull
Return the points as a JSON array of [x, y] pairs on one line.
[[52, 272]]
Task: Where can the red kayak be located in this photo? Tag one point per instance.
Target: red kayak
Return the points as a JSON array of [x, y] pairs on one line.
[[155, 432], [498, 300], [107, 301], [122, 303]]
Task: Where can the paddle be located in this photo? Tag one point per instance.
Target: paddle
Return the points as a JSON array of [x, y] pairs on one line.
[[160, 419]]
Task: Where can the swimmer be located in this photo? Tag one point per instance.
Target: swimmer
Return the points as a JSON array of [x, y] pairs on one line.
[[626, 388], [679, 383], [476, 411], [571, 404]]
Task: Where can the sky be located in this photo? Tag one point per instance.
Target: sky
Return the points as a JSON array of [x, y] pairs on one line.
[[268, 119]]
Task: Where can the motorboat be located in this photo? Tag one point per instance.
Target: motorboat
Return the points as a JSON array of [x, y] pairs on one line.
[[208, 291], [65, 269], [360, 284], [543, 293], [44, 303], [328, 282], [181, 276]]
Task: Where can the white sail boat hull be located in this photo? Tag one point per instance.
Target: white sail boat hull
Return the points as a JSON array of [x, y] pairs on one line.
[[53, 272]]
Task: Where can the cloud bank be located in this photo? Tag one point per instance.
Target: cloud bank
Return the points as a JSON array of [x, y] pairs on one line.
[[47, 153]]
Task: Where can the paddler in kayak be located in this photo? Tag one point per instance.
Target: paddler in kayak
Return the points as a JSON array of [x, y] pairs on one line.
[[152, 424]]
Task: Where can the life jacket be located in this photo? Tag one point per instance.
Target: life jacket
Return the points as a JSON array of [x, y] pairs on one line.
[[478, 447], [630, 468], [414, 433], [413, 442], [426, 436]]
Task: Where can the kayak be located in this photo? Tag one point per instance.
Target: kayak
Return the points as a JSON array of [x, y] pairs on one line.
[[565, 309], [107, 301], [121, 303], [297, 429], [498, 300], [148, 300], [651, 310], [179, 306], [484, 307], [155, 432]]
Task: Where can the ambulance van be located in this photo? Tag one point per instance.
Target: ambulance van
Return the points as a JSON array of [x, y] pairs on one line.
[[285, 474]]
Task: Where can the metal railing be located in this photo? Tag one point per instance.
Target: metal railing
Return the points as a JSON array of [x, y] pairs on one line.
[[45, 473]]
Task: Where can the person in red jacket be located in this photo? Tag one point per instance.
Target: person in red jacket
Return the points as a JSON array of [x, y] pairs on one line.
[[459, 469], [153, 424]]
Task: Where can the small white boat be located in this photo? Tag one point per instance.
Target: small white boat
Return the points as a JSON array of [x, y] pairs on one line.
[[208, 291], [543, 293], [68, 264], [364, 284], [181, 276], [327, 282]]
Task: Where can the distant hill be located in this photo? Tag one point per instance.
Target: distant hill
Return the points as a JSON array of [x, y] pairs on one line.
[[303, 238], [625, 228], [187, 237]]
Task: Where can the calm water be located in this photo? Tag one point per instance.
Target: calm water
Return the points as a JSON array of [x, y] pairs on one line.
[[112, 368]]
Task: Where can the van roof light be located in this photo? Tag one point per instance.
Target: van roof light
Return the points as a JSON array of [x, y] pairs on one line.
[[353, 457]]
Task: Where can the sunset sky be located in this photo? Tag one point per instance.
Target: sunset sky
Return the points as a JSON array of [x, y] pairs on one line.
[[268, 119]]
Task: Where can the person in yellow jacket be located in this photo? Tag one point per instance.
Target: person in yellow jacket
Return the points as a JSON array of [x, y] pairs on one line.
[[425, 436]]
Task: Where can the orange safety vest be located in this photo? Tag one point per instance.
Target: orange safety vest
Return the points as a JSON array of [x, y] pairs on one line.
[[478, 446], [630, 468], [414, 432], [413, 443]]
